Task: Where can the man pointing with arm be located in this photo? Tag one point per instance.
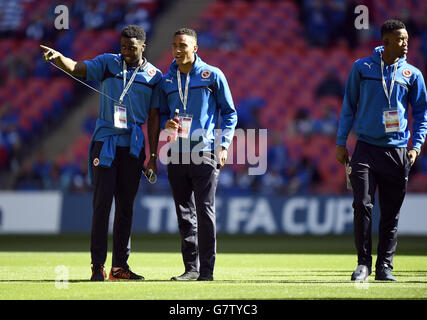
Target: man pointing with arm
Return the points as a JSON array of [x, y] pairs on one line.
[[128, 86]]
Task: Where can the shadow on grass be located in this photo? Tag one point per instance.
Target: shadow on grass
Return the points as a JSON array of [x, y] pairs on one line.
[[267, 244]]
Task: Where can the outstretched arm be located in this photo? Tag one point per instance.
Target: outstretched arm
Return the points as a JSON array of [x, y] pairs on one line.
[[77, 69]]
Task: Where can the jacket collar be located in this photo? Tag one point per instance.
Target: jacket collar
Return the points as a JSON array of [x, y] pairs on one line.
[[376, 56]]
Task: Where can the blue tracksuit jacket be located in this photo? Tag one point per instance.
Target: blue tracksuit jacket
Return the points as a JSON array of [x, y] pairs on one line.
[[209, 98], [365, 101], [108, 70]]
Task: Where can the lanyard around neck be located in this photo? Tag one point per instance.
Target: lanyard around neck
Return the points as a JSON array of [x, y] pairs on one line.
[[388, 93], [183, 96], [127, 86]]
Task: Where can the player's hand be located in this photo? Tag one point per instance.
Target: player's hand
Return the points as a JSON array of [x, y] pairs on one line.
[[152, 164], [412, 155], [222, 157], [342, 154], [49, 53], [172, 125]]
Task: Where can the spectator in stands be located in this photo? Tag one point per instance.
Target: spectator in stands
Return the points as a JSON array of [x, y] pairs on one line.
[[18, 65], [226, 180], [27, 179], [54, 179], [4, 156], [335, 12], [80, 182], [423, 47], [89, 123], [10, 16], [114, 14], [207, 39], [301, 176], [411, 25], [330, 86], [252, 106], [302, 124], [36, 28], [272, 182], [194, 183], [14, 144], [277, 153], [137, 15], [316, 23], [228, 39], [68, 170], [245, 181], [328, 123], [94, 14], [423, 161]]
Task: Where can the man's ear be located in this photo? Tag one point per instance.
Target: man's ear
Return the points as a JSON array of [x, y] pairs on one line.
[[196, 47]]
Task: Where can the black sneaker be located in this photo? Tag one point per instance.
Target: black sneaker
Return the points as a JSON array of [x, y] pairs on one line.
[[98, 273], [384, 274], [205, 278], [123, 274], [361, 273], [188, 275]]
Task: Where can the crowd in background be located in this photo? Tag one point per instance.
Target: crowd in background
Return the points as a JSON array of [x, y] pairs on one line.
[[326, 23], [30, 23]]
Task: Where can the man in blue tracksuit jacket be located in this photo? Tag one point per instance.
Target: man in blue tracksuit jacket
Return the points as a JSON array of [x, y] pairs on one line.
[[128, 83], [378, 92], [201, 94]]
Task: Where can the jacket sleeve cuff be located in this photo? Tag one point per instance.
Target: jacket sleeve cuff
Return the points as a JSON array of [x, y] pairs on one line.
[[341, 141], [417, 149]]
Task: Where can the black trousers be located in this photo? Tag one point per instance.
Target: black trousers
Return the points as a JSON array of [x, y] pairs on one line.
[[193, 189], [388, 169], [121, 181]]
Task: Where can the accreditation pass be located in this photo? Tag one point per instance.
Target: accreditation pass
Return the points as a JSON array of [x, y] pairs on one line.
[[120, 118], [391, 120], [185, 121]]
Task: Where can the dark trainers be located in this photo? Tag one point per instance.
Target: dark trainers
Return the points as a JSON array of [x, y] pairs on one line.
[[361, 273], [98, 273], [384, 273], [190, 275], [205, 278], [124, 274]]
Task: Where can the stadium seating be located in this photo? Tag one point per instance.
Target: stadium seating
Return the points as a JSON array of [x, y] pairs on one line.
[[275, 63], [34, 94], [265, 55]]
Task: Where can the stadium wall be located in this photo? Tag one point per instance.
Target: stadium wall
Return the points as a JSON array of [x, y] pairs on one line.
[[55, 213]]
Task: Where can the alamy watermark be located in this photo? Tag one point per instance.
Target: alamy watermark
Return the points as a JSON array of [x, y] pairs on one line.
[[62, 277], [62, 20], [362, 20], [248, 147]]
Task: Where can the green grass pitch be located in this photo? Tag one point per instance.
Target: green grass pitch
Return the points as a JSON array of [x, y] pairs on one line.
[[247, 267]]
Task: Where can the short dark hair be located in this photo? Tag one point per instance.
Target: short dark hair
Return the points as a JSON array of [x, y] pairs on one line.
[[391, 25], [186, 31], [134, 31]]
